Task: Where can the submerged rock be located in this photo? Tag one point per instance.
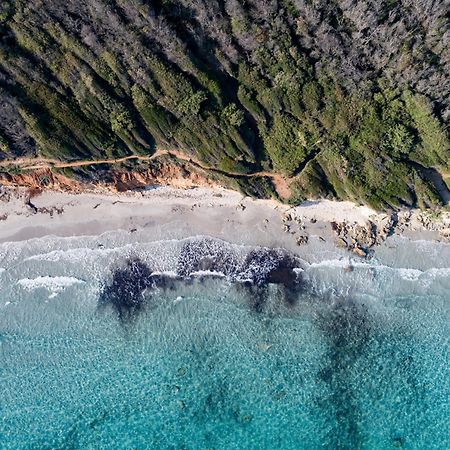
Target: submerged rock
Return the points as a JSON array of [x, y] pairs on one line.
[[264, 346], [205, 255]]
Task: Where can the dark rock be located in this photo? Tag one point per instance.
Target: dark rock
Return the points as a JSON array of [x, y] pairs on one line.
[[301, 240], [205, 255], [32, 206]]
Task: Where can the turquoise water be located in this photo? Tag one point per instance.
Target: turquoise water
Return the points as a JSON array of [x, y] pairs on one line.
[[358, 361]]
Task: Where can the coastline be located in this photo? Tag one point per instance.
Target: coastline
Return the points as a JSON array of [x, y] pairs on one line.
[[105, 287], [166, 212]]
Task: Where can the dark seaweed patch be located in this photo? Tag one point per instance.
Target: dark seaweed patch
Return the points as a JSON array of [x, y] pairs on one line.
[[165, 282], [260, 268], [346, 328], [257, 295], [125, 292], [291, 293], [263, 266]]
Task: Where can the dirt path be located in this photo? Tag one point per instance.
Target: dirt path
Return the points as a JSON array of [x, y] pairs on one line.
[[44, 163], [280, 182]]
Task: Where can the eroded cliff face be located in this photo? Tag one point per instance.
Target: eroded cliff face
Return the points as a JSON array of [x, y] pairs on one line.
[[41, 179], [111, 180], [166, 175]]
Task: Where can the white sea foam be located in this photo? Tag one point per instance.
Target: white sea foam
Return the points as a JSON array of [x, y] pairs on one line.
[[439, 272], [409, 274], [54, 285], [339, 263], [76, 254], [405, 273], [207, 273], [165, 273]]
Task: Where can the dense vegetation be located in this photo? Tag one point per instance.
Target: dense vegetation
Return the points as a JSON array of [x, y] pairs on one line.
[[351, 98]]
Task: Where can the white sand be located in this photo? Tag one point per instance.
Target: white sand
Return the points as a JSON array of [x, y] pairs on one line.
[[328, 211], [170, 213], [163, 212]]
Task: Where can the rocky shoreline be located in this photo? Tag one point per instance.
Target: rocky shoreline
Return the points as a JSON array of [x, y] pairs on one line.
[[361, 239]]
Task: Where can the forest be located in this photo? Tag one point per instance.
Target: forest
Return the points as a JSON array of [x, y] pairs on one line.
[[348, 99]]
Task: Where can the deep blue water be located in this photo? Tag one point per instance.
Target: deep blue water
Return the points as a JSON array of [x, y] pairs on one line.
[[341, 360]]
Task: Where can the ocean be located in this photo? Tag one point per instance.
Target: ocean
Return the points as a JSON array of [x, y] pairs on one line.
[[118, 342]]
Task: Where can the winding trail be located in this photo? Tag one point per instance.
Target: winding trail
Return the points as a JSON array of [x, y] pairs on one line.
[[281, 183]]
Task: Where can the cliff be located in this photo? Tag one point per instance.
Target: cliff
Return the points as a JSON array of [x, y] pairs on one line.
[[347, 99]]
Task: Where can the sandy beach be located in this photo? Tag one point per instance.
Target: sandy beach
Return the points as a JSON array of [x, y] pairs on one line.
[[164, 213]]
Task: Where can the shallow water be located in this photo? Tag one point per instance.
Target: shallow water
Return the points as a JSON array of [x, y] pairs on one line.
[[359, 359]]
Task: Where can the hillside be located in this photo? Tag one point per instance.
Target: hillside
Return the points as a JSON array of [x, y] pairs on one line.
[[346, 99]]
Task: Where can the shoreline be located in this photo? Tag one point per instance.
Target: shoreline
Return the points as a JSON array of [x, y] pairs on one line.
[[165, 212]]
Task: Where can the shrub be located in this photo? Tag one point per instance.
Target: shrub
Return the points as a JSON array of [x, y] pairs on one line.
[[311, 97], [434, 146], [4, 147], [233, 116], [286, 144], [398, 141], [191, 104], [121, 121]]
